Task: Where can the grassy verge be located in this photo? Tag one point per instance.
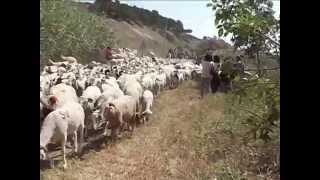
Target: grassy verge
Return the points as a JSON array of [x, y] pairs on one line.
[[186, 138], [219, 140]]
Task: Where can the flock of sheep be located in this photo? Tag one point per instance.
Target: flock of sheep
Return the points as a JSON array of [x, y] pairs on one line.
[[76, 99]]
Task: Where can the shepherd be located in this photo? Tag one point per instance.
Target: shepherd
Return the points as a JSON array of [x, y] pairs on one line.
[[215, 82], [206, 75]]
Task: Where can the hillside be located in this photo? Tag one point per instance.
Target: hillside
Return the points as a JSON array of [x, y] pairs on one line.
[[133, 27], [133, 35]]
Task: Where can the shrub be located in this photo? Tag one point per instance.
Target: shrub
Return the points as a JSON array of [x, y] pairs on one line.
[[66, 29], [253, 110]]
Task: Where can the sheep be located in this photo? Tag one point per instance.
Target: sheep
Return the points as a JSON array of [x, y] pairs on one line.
[[69, 59], [91, 92], [63, 63], [125, 78], [45, 84], [69, 79], [118, 113], [88, 100], [60, 94], [111, 81], [147, 81], [147, 100], [107, 96], [133, 88], [180, 76], [109, 93], [60, 123], [139, 78], [160, 82], [80, 85]]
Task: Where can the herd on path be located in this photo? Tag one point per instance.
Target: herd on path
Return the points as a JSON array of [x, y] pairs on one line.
[[76, 99]]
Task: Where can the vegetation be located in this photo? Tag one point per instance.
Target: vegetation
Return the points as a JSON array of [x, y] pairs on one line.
[[244, 142], [251, 23], [138, 15], [68, 30], [257, 101], [211, 43], [237, 144]]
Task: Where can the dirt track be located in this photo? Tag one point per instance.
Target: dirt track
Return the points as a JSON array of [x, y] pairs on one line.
[[157, 150]]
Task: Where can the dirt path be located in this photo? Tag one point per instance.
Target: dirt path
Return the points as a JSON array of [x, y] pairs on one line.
[[157, 150]]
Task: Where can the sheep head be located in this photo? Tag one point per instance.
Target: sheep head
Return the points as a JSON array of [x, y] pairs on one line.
[[53, 100], [111, 109]]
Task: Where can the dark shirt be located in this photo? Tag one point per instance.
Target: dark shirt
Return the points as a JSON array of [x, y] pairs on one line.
[[108, 54]]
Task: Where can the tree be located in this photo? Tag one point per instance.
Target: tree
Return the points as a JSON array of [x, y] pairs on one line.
[[102, 5], [179, 27], [251, 23], [155, 18]]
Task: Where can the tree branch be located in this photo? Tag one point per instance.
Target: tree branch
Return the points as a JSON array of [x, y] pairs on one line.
[[273, 41], [267, 69]]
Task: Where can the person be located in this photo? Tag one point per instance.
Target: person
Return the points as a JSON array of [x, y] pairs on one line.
[[239, 66], [226, 75], [215, 82], [170, 53], [109, 54], [206, 75]]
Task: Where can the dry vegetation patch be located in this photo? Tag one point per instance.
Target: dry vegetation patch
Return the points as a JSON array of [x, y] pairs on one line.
[[184, 139]]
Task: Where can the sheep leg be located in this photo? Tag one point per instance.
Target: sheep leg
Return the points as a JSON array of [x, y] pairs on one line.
[[63, 144], [75, 143], [114, 133], [106, 129], [131, 123], [85, 133], [81, 140], [159, 90]]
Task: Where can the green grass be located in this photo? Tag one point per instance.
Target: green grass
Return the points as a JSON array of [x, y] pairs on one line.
[[219, 138]]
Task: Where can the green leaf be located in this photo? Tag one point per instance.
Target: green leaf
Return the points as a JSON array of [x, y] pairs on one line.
[[214, 8], [209, 4]]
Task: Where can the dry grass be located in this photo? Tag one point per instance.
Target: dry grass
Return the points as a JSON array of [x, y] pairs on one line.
[[184, 139], [131, 36]]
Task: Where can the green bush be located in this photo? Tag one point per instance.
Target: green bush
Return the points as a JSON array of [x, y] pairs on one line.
[[65, 29], [253, 110]]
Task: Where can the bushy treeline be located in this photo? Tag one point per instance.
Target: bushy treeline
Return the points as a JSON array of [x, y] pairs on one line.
[[137, 15], [65, 29]]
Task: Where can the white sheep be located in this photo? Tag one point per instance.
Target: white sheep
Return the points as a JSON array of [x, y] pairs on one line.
[[118, 113], [60, 123], [69, 59], [112, 82], [107, 96], [60, 94], [147, 101], [161, 82], [148, 81], [91, 92]]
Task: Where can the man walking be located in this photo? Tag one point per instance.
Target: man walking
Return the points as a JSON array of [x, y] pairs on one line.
[[206, 75], [215, 82]]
